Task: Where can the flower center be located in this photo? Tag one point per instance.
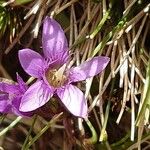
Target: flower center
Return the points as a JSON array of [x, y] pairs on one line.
[[56, 78]]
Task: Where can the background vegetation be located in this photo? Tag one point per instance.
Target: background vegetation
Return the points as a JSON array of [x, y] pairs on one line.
[[118, 98]]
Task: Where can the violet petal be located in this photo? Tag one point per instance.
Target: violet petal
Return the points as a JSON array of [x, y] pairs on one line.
[[36, 96], [88, 69], [55, 46], [9, 88], [32, 62], [15, 108], [5, 105], [74, 100], [22, 84]]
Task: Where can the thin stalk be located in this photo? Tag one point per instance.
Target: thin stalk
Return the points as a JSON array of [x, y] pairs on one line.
[[134, 146], [2, 118], [52, 121], [103, 134], [145, 97], [129, 7], [102, 44], [100, 25], [29, 133], [65, 6], [93, 139], [123, 140], [28, 24], [124, 100], [10, 126]]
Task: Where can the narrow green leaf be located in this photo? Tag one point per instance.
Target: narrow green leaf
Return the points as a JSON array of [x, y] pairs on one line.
[[145, 97]]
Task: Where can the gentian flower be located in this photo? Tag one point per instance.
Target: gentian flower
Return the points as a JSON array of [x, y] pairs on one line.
[[53, 75], [10, 97]]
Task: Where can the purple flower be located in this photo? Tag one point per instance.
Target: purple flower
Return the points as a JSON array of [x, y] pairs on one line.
[[53, 75], [10, 97]]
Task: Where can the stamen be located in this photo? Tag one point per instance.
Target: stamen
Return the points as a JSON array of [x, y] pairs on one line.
[[60, 72]]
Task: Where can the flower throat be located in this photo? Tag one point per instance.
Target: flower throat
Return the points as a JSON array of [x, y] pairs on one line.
[[56, 78]]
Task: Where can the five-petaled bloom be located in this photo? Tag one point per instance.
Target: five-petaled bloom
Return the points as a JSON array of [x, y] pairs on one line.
[[53, 76], [10, 97]]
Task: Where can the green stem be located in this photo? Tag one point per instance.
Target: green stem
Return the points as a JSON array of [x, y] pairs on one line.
[[145, 97], [100, 25], [10, 126], [2, 118], [103, 135], [93, 139], [122, 141], [102, 44], [52, 121], [29, 133]]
